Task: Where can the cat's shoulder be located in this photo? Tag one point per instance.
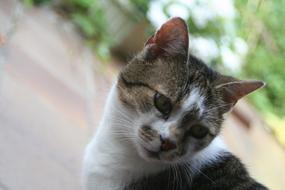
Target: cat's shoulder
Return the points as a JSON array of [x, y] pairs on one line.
[[227, 172]]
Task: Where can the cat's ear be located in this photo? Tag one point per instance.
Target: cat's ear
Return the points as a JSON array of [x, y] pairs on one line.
[[170, 40], [232, 89]]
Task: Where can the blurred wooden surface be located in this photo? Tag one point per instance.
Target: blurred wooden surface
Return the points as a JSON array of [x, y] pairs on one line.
[[52, 91]]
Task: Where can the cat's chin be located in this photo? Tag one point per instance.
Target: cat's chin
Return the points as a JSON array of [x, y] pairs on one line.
[[151, 156]]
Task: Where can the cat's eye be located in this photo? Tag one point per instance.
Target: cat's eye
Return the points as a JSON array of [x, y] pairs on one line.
[[163, 104], [198, 131]]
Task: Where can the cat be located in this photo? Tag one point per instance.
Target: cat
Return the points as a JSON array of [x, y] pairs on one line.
[[161, 124]]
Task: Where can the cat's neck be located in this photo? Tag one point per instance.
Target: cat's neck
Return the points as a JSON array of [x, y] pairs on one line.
[[117, 160]]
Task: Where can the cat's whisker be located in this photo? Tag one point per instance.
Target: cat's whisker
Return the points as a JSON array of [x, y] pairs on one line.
[[122, 131], [126, 139], [124, 117], [121, 135], [217, 107], [176, 176], [199, 171], [169, 178], [127, 123], [179, 176], [122, 125], [188, 171], [172, 170]]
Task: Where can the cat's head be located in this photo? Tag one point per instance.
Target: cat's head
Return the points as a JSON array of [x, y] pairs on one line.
[[177, 103]]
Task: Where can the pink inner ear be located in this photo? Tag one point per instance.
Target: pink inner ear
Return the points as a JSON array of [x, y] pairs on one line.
[[150, 40], [171, 38], [236, 90]]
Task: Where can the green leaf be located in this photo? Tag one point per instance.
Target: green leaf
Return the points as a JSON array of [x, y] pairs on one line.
[[84, 23], [84, 3]]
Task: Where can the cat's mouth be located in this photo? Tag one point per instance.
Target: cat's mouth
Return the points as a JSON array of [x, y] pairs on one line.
[[151, 154], [164, 156]]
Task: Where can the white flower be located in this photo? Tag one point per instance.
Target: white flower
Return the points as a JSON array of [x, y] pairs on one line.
[[240, 46], [204, 48], [201, 15], [186, 2], [224, 8], [178, 10], [155, 13], [231, 60]]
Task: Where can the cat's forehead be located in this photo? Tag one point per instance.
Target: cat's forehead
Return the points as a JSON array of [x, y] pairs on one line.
[[193, 98], [192, 105], [168, 76]]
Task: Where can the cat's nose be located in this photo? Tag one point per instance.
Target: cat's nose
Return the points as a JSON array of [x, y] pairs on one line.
[[167, 144]]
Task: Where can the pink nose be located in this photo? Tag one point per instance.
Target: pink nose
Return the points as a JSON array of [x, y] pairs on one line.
[[166, 144]]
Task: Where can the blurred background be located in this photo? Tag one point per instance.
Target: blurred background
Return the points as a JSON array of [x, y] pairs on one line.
[[58, 59]]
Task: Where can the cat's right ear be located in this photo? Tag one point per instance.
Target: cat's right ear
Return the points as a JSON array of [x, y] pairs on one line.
[[232, 90], [171, 40]]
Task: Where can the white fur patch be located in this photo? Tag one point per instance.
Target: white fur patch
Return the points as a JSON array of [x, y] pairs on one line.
[[195, 98], [209, 154], [192, 98]]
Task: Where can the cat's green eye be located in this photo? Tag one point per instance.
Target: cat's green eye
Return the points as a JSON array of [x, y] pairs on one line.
[[198, 131], [163, 104]]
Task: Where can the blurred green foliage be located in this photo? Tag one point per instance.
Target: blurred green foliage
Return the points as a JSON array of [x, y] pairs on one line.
[[36, 2], [88, 16], [141, 5], [261, 23]]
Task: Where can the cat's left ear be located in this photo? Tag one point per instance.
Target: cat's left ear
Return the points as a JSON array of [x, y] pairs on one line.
[[171, 40], [232, 89]]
